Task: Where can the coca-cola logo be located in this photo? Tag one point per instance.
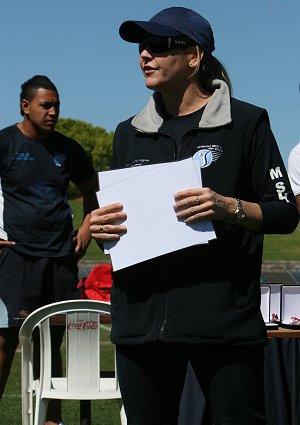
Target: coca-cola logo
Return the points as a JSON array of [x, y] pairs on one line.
[[82, 325]]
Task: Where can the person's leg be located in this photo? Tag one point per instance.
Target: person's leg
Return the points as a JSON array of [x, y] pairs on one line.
[[232, 381], [27, 283], [57, 333], [151, 381], [63, 278], [8, 345], [10, 310], [54, 407]]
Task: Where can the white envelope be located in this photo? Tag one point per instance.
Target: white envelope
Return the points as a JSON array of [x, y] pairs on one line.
[[147, 194]]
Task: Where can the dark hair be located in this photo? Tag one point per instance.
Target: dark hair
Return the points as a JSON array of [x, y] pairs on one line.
[[212, 69], [29, 88]]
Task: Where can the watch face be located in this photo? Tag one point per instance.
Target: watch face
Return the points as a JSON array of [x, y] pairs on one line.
[[241, 214]]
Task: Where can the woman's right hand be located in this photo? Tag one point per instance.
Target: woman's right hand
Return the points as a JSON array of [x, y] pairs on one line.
[[105, 222]]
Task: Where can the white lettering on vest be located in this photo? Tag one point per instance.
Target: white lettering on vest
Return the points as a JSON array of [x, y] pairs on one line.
[[280, 188], [275, 173]]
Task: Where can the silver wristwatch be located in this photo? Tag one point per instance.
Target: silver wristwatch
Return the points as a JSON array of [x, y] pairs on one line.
[[239, 213]]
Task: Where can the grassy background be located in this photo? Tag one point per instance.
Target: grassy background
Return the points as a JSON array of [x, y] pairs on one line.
[[282, 247], [276, 247]]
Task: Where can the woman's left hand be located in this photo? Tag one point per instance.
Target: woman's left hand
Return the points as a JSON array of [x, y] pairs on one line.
[[203, 203]]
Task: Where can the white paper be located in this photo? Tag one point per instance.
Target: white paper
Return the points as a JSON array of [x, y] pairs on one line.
[[147, 194]]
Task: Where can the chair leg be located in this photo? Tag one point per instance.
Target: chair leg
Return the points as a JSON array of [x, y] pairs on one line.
[[123, 416], [27, 412], [40, 411]]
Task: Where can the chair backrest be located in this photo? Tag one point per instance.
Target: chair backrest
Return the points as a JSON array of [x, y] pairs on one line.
[[82, 320]]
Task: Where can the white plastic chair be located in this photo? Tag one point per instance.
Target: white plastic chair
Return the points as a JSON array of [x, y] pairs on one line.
[[83, 380]]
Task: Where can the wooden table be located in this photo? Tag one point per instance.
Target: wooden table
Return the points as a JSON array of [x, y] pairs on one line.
[[283, 333]]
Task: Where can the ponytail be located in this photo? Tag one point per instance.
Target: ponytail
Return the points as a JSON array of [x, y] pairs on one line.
[[211, 69]]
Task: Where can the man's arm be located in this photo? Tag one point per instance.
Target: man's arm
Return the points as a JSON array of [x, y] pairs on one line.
[[298, 202], [89, 202]]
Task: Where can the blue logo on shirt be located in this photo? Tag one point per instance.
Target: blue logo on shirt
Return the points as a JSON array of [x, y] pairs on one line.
[[207, 155], [23, 156], [59, 159]]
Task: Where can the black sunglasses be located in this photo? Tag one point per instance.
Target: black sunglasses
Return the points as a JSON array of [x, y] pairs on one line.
[[164, 44]]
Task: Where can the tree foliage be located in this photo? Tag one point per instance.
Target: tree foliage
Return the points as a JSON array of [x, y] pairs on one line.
[[96, 141]]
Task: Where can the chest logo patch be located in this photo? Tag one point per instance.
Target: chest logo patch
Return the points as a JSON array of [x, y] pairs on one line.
[[206, 155], [23, 156], [59, 159]]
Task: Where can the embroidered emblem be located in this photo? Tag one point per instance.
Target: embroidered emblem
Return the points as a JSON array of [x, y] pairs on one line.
[[207, 155], [59, 159], [23, 156], [137, 162]]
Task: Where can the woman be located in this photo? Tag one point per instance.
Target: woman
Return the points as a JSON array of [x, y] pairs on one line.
[[202, 303]]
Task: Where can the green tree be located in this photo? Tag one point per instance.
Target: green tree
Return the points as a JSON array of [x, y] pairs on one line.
[[96, 141]]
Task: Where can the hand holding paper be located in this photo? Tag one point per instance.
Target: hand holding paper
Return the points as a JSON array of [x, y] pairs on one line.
[[147, 195], [111, 218]]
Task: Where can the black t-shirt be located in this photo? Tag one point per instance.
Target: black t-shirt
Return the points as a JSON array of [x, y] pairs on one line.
[[177, 126], [34, 177]]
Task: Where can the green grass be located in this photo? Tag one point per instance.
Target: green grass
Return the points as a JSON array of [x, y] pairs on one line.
[[282, 247], [104, 412]]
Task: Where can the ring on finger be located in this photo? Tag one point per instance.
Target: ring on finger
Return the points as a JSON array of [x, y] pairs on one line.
[[197, 202], [101, 228]]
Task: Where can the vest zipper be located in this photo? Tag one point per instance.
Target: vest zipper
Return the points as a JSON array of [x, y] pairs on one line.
[[161, 331], [162, 328]]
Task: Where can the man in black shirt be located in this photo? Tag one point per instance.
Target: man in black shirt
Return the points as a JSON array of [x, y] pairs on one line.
[[38, 250]]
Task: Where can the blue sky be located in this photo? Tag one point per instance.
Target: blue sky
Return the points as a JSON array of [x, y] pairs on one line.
[[76, 43]]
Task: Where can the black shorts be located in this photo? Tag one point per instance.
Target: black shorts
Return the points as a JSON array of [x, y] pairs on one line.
[[27, 283]]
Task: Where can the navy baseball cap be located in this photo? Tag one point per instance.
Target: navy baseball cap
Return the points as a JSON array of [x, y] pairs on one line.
[[171, 22]]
